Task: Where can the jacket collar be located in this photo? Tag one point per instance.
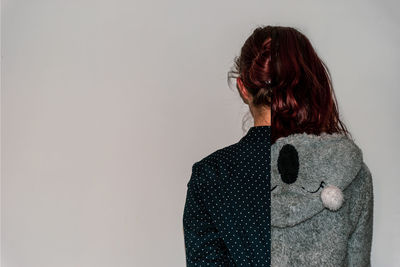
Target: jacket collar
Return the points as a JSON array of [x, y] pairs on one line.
[[257, 134]]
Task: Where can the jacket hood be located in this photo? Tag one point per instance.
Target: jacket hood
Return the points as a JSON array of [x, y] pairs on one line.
[[309, 173]]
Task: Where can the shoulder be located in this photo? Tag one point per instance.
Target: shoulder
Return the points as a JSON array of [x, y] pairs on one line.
[[362, 183], [360, 191], [219, 156], [207, 168]]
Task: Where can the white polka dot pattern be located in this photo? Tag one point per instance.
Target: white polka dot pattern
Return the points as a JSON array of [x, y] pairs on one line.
[[226, 218]]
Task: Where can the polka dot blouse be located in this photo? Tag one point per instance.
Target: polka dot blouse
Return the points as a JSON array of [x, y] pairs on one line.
[[226, 219]]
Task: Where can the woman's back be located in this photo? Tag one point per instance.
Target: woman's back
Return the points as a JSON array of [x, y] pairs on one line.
[[305, 200]]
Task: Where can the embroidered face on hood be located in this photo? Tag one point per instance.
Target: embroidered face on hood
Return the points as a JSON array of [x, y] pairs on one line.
[[309, 173]]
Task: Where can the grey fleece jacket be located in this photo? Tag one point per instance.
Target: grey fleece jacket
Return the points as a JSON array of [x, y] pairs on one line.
[[321, 202]]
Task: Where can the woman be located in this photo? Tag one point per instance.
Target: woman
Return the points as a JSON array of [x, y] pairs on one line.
[[299, 195]]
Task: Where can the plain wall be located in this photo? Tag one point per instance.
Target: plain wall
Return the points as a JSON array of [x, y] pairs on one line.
[[105, 106]]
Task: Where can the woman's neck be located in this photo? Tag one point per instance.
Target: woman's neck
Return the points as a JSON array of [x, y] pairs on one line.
[[261, 116]]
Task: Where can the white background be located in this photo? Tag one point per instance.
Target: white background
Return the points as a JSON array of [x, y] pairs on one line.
[[105, 106]]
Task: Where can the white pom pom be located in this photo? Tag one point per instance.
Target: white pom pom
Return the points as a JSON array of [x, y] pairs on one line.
[[332, 197]]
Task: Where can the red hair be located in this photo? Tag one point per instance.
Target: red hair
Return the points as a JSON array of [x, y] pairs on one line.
[[281, 69]]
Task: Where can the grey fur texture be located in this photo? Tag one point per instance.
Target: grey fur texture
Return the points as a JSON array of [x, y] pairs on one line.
[[304, 232]]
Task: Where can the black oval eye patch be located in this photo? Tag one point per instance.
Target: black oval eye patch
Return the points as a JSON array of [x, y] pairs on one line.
[[288, 164]]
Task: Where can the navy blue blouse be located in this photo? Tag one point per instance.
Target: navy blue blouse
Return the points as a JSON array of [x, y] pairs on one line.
[[226, 219]]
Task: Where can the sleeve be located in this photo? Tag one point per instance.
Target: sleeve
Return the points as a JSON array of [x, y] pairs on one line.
[[203, 243], [360, 242]]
